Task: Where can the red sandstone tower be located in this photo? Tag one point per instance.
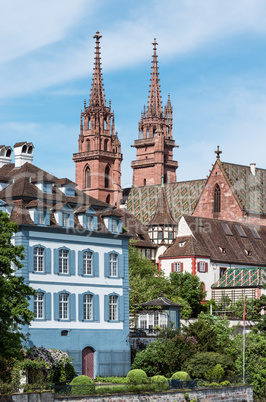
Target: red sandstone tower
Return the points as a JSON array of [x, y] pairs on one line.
[[98, 161], [155, 144]]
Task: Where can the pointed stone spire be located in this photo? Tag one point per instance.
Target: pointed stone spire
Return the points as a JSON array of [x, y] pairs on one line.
[[97, 92], [154, 103]]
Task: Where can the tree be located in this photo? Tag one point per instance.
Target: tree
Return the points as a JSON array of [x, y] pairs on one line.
[[14, 293], [145, 280], [253, 308], [189, 288]]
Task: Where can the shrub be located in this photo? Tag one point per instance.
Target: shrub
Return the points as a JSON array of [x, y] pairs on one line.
[[216, 373], [160, 381], [137, 376], [180, 375], [152, 359], [114, 380], [200, 363], [224, 383], [82, 385], [214, 385]]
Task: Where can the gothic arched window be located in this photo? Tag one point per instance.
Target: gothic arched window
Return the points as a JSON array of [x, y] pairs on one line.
[[217, 199], [107, 177], [87, 177]]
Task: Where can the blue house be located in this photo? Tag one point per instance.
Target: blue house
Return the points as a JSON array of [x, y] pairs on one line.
[[76, 258]]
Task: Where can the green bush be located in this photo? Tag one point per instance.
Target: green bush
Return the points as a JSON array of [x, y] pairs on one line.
[[225, 383], [5, 388], [160, 381], [137, 376], [82, 385], [113, 380], [214, 385], [180, 375], [216, 373], [152, 359], [202, 362]]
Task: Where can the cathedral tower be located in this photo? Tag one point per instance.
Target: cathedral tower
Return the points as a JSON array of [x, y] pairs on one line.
[[155, 143], [98, 161]]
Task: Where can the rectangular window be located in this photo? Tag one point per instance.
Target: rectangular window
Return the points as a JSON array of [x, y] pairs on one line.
[[113, 260], [41, 217], [113, 308], [202, 267], [64, 306], [39, 305], [87, 263], [38, 254], [63, 261], [160, 235], [89, 220], [65, 219], [114, 226], [87, 307], [148, 253], [177, 267], [143, 321]]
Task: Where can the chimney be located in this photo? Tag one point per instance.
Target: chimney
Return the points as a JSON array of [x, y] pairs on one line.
[[23, 153], [253, 168], [5, 155]]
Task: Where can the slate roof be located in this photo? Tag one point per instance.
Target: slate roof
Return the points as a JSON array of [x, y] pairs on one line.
[[181, 197], [209, 239], [242, 277], [161, 301], [250, 189]]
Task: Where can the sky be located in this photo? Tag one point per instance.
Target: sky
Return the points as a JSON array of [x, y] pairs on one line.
[[212, 61]]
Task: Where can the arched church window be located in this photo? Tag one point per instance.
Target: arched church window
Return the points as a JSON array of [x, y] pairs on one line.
[[107, 177], [105, 124], [217, 199], [89, 124], [87, 177], [105, 145], [147, 133]]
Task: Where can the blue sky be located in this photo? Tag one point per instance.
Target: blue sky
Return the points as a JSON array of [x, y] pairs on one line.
[[212, 61]]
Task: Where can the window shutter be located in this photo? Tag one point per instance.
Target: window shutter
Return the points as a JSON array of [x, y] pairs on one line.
[[110, 224], [80, 314], [181, 266], [72, 264], [106, 308], [80, 263], [206, 267], [56, 306], [121, 308], [71, 220], [120, 227], [173, 267], [95, 259], [60, 218], [95, 223], [120, 266], [31, 303], [56, 261], [198, 265], [35, 216], [30, 259], [96, 308], [47, 218], [106, 265], [48, 306], [72, 307], [47, 260]]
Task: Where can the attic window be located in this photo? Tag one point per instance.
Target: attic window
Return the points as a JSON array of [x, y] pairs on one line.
[[248, 252], [226, 229], [223, 250], [140, 237], [182, 244], [255, 233], [240, 231]]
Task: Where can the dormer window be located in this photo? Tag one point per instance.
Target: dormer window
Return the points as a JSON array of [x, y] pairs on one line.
[[248, 252], [223, 250], [182, 244], [70, 192], [114, 226], [89, 222], [66, 219], [41, 217]]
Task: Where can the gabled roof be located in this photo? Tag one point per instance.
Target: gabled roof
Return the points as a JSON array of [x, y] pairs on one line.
[[250, 189], [162, 215], [242, 277], [234, 243], [161, 301], [181, 197]]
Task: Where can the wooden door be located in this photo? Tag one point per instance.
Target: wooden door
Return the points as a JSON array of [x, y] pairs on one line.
[[88, 362]]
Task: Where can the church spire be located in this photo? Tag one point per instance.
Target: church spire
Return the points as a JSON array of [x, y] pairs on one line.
[[154, 103], [97, 92]]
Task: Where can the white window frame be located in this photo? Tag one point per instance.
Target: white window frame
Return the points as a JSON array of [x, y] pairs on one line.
[[64, 306], [202, 266], [39, 306], [177, 266], [113, 265], [41, 217], [38, 259], [63, 261], [113, 308], [87, 307], [87, 263], [65, 219], [114, 226]]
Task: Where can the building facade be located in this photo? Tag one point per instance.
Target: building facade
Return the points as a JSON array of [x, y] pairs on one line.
[[76, 258]]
